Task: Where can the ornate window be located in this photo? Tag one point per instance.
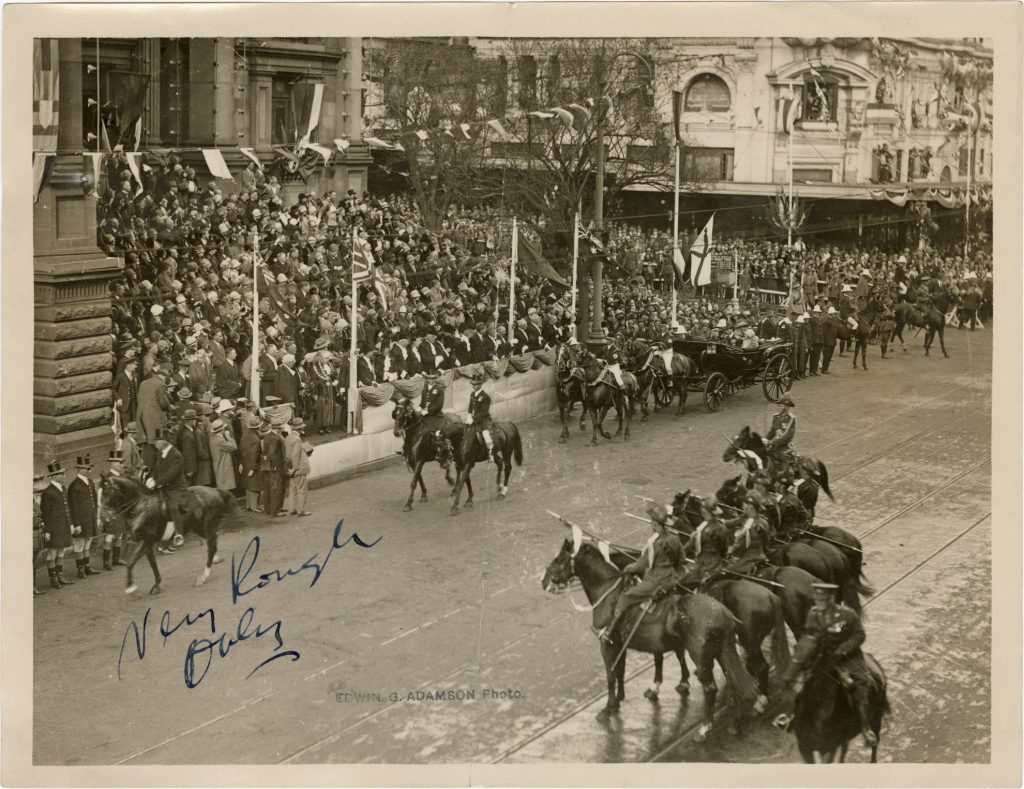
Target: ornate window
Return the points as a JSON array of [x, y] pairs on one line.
[[707, 92], [820, 99]]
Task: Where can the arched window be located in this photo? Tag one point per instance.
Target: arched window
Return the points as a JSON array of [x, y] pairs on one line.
[[707, 92]]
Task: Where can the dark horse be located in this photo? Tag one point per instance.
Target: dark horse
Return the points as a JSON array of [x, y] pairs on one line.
[[750, 441], [602, 394], [421, 447], [691, 623], [570, 389], [468, 449], [145, 516], [837, 559], [647, 363], [824, 718], [792, 585], [932, 318]]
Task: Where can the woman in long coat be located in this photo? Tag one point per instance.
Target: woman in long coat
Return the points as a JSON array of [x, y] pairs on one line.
[[249, 462], [204, 459], [222, 450]]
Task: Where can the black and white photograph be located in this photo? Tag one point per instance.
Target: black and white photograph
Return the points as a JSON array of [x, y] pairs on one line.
[[565, 398]]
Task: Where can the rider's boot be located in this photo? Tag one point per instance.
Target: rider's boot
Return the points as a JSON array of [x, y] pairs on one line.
[[606, 633], [859, 695]]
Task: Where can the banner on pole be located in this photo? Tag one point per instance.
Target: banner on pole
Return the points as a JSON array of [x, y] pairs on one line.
[[700, 252], [362, 260]]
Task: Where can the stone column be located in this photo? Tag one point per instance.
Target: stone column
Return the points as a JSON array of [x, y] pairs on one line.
[[73, 346]]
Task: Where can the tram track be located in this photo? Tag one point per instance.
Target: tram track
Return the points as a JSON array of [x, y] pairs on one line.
[[649, 664]]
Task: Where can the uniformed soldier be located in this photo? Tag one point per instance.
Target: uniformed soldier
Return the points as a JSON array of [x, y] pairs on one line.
[[480, 413], [793, 516], [782, 432], [614, 362], [660, 562], [708, 545], [38, 550], [747, 551], [82, 501], [57, 528], [835, 630]]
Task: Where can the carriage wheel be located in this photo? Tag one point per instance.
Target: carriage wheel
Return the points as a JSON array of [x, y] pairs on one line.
[[715, 391], [663, 392], [776, 381]]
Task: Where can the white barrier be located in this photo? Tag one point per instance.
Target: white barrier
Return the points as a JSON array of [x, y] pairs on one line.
[[514, 398]]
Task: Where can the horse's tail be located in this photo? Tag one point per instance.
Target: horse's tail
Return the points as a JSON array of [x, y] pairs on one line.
[[735, 672], [517, 446], [821, 477], [227, 498], [780, 644]]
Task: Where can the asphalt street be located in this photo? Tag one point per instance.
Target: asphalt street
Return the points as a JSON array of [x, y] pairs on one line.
[[453, 607]]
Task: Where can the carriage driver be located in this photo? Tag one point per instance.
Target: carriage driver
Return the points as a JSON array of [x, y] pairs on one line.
[[480, 413], [614, 364], [168, 477], [836, 630], [660, 562]]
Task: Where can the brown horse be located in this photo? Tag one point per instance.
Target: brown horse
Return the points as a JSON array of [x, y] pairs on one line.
[[468, 449], [648, 365], [602, 394], [146, 518], [692, 623], [420, 447], [930, 316]]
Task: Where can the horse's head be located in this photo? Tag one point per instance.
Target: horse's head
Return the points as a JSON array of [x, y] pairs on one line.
[[731, 493], [686, 508], [740, 441], [562, 568], [402, 415], [119, 490]]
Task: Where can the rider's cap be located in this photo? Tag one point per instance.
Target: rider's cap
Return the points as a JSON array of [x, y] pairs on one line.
[[477, 378], [821, 585], [657, 513], [787, 400]]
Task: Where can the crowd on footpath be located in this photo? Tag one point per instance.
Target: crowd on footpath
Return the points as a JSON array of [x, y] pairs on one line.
[[232, 446]]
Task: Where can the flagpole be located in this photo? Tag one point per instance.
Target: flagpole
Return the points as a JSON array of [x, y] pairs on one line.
[[736, 280], [512, 280], [254, 371], [575, 266], [353, 378], [675, 236], [789, 220], [98, 105]]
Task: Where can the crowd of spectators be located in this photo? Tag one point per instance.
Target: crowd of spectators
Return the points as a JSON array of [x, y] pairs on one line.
[[438, 299]]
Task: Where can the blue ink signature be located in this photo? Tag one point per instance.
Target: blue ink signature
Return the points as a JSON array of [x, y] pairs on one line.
[[201, 651], [240, 572]]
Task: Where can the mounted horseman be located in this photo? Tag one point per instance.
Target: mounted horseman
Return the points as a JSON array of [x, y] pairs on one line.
[[828, 657]]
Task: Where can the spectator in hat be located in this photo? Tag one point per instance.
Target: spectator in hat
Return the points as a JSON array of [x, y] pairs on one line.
[[249, 462], [153, 408], [829, 335], [55, 513], [286, 384], [185, 443], [268, 373], [125, 392], [38, 550], [200, 376], [204, 458], [228, 377], [297, 453], [83, 502], [272, 467], [222, 451]]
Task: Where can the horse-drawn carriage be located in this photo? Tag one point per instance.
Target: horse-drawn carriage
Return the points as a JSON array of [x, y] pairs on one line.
[[724, 369]]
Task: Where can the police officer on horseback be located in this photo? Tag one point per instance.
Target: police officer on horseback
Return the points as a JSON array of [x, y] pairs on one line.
[[660, 562], [480, 413], [168, 477], [835, 633]]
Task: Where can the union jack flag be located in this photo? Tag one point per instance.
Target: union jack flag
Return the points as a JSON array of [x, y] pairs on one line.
[[362, 260]]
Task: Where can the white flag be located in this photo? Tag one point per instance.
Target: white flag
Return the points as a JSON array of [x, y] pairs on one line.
[[700, 255]]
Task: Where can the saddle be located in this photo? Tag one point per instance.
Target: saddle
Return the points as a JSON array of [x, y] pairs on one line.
[[664, 607], [605, 377]]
